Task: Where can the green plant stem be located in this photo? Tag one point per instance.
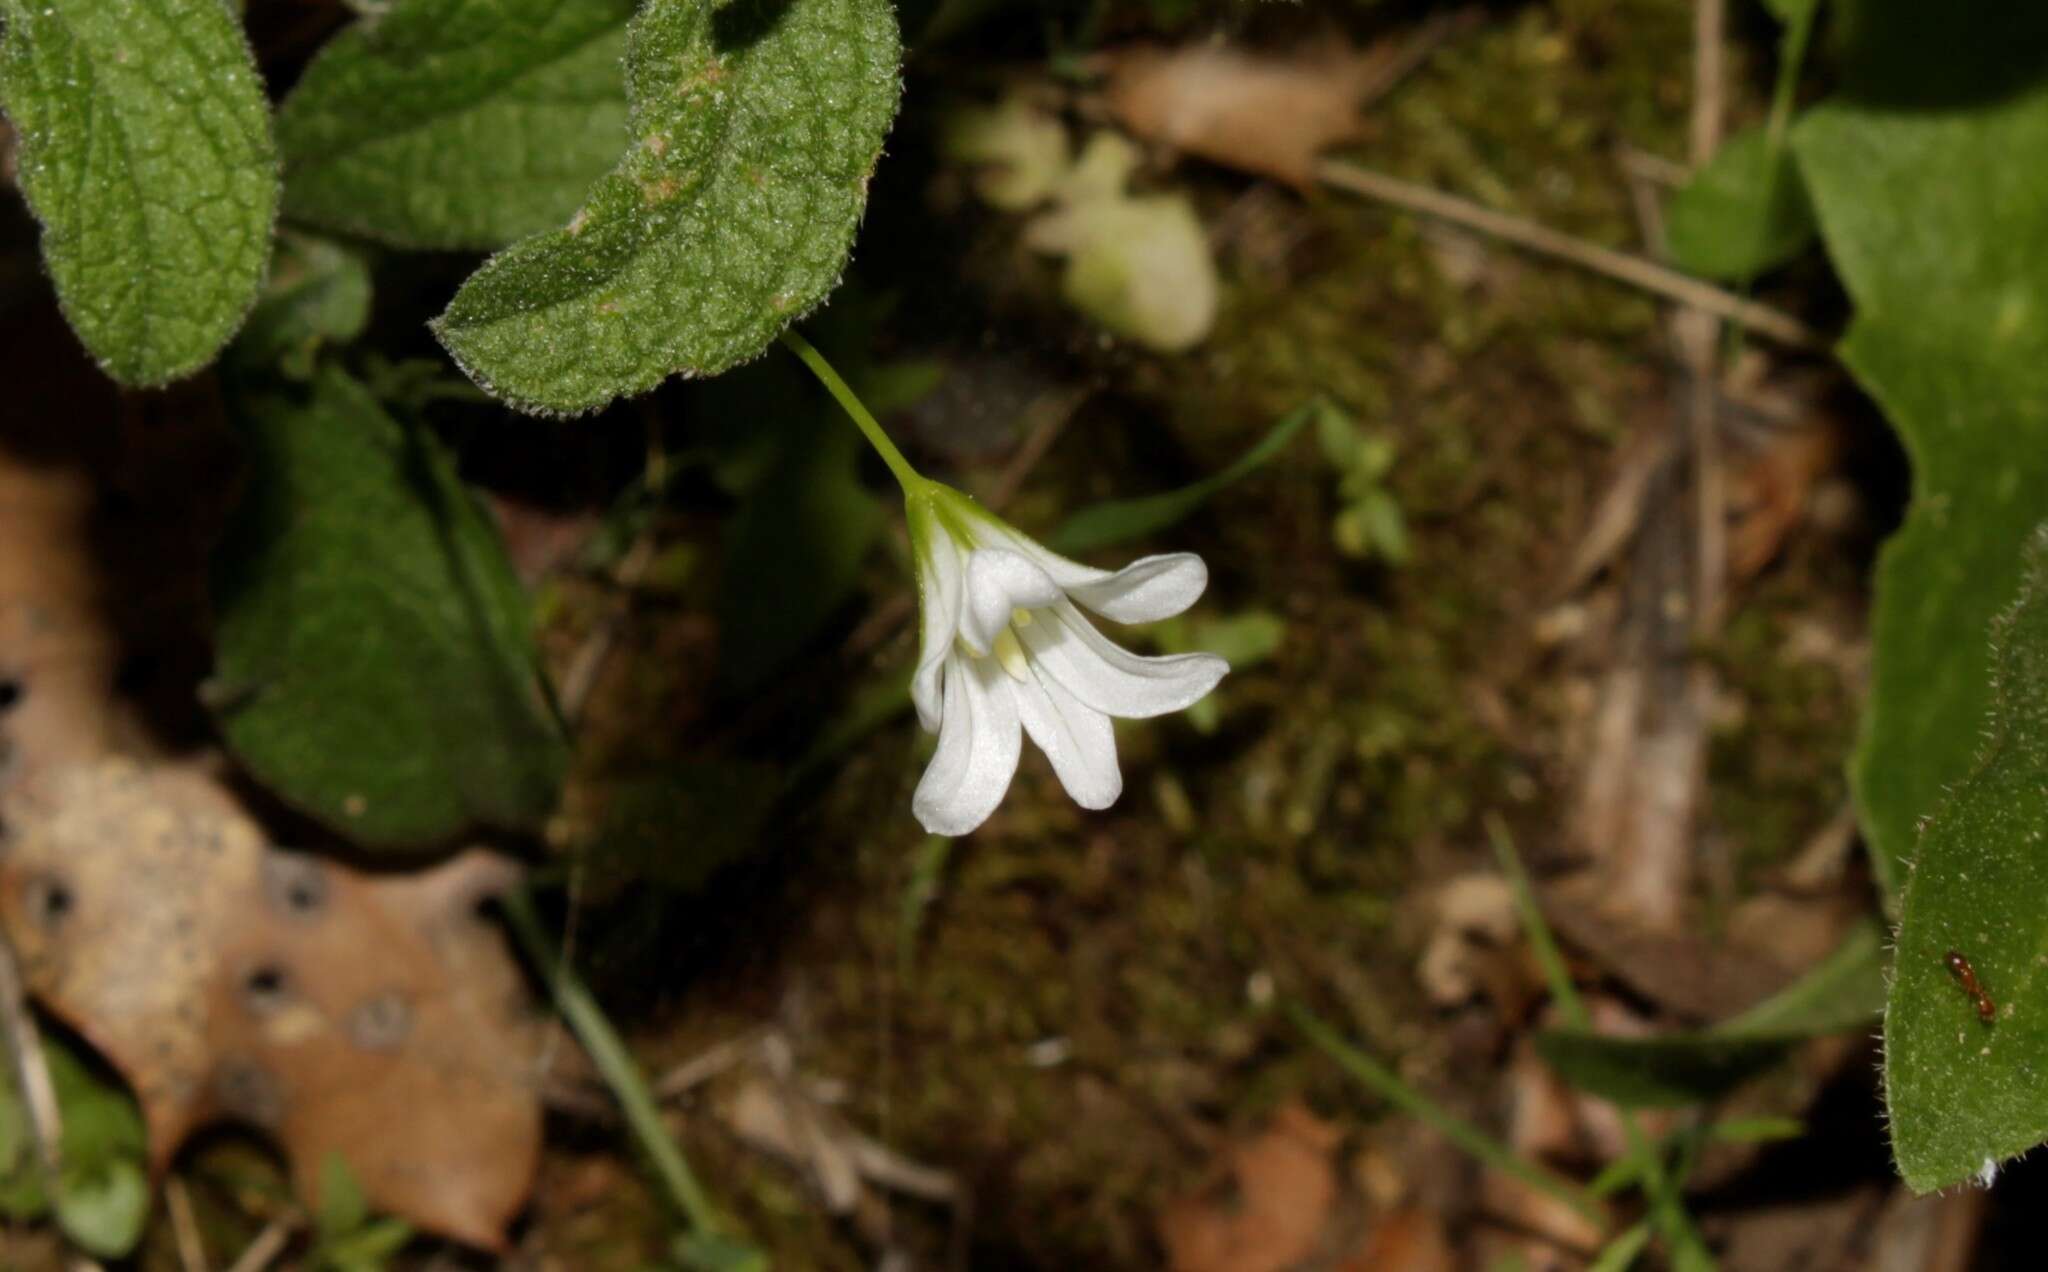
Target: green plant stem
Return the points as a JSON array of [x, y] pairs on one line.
[[1791, 59], [615, 1063], [1548, 956], [1659, 1186], [906, 476], [1386, 1084], [1620, 1253]]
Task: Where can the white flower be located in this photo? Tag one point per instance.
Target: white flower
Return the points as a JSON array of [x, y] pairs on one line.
[[1007, 651]]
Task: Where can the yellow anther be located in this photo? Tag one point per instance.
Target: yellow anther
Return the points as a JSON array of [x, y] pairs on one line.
[[1011, 654]]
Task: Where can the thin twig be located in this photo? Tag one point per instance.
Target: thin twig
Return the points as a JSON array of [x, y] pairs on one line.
[[1764, 320], [269, 1243], [1646, 196], [1415, 52], [580, 679], [1709, 43], [31, 1067], [1697, 334], [185, 1226], [1052, 411], [1651, 167], [706, 1065]]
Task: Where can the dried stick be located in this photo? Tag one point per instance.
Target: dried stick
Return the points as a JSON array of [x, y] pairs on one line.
[[1052, 411], [31, 1067], [1709, 44], [1764, 320], [185, 1227], [269, 1243], [1697, 334], [588, 663]]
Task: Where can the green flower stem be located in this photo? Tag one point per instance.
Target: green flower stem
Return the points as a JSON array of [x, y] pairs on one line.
[[608, 1052], [1388, 1086], [906, 476]]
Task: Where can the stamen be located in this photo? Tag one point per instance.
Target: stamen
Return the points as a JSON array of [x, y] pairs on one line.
[[1011, 655], [1020, 617]]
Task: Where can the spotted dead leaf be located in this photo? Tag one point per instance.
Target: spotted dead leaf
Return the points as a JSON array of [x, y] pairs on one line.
[[1273, 116], [374, 1017], [57, 660]]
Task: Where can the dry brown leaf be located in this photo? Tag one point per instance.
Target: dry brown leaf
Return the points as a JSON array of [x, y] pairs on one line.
[[1543, 1123], [378, 1018], [1408, 1240], [1770, 492], [56, 657], [1556, 1235], [1472, 948], [1693, 975], [373, 1016], [798, 1131], [1271, 1212], [1265, 115]]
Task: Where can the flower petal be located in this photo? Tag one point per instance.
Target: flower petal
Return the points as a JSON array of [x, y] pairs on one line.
[[1109, 678], [978, 745], [941, 583], [1145, 591], [1076, 737], [1000, 582], [1148, 589]]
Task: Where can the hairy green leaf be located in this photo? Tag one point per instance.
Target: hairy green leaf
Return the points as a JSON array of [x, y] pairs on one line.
[[457, 123], [376, 665], [1964, 1092], [1744, 213], [755, 127], [1939, 228], [145, 151], [1121, 520], [1845, 992]]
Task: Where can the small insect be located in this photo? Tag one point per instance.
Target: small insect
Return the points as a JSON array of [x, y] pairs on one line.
[[1966, 976]]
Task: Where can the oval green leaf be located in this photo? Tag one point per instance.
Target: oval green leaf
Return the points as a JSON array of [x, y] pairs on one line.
[[1965, 1092], [1744, 213], [457, 123], [375, 664], [145, 151], [755, 128], [1941, 238]]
